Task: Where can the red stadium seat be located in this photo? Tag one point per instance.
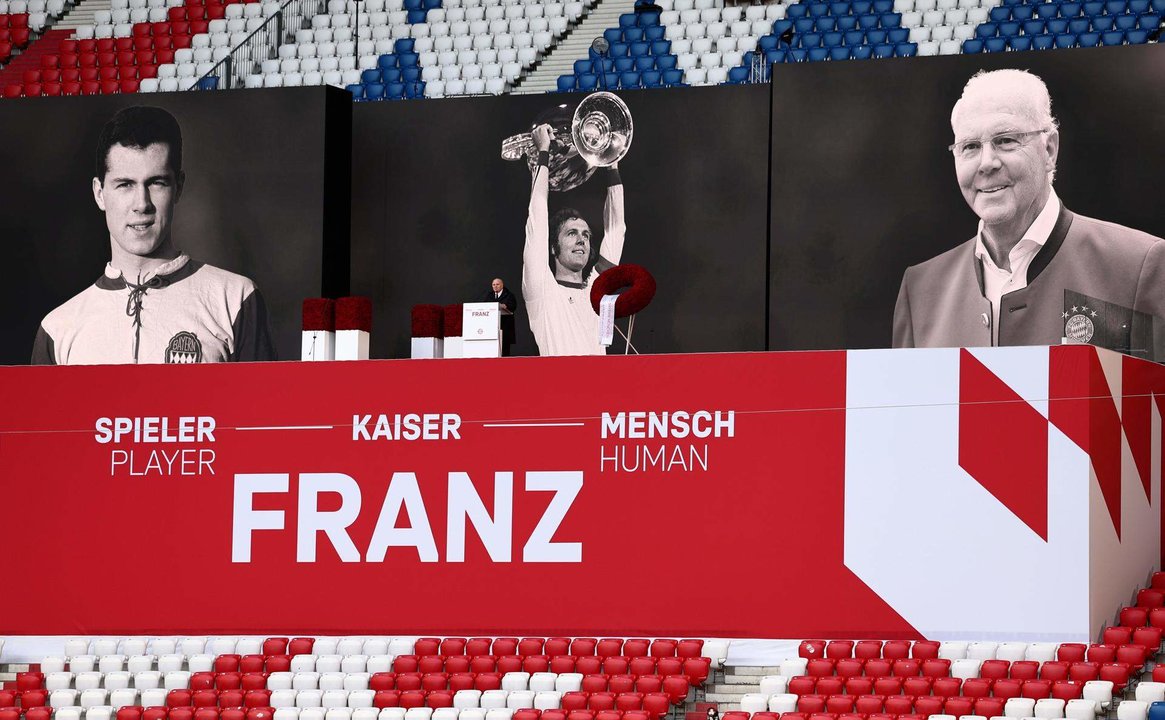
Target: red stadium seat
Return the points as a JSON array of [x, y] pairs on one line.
[[837, 649], [1054, 670], [859, 686], [811, 704], [676, 688], [1082, 672], [229, 698], [625, 701], [252, 664], [866, 704], [227, 663], [434, 681], [386, 698], [1003, 688], [70, 75], [929, 705], [382, 681], [1157, 617], [560, 664], [436, 663], [255, 681], [896, 649], [642, 666], [899, 704], [819, 667], [487, 681], [1101, 653], [1132, 655], [601, 701], [530, 646], [232, 713], [479, 646], [1025, 670], [257, 698], [260, 713], [27, 77], [977, 687], [594, 683], [917, 685], [507, 663], [404, 664], [610, 647], [615, 665], [129, 712], [636, 647], [1117, 635], [408, 681], [1134, 616], [936, 667], [154, 713], [802, 685], [994, 669], [557, 646], [33, 698], [609, 715], [1157, 581], [947, 686], [905, 667], [1036, 689], [832, 685], [811, 649], [181, 713], [866, 649], [179, 698], [582, 646], [959, 706], [989, 706], [654, 704], [1117, 673], [1148, 637], [1150, 598], [690, 648], [1071, 652], [531, 664], [439, 699], [412, 699], [47, 60], [460, 681], [878, 667], [458, 663], [588, 665], [697, 670], [553, 715], [1159, 673], [206, 713], [574, 701], [580, 715], [453, 646], [887, 686], [621, 684], [202, 681], [9, 713], [649, 684], [70, 60], [426, 645], [228, 681], [669, 666], [839, 704], [1065, 690], [526, 713], [850, 667], [121, 44], [38, 713]]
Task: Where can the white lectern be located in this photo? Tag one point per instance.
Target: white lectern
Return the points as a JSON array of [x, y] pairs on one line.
[[481, 330]]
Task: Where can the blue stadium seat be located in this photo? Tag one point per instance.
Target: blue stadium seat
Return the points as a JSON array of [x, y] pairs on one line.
[[1059, 26], [610, 80], [1000, 14], [875, 37], [796, 55], [839, 53], [613, 35], [908, 49], [1070, 9], [431, 4], [1149, 21], [881, 7], [639, 49], [996, 44], [1102, 23], [1008, 29], [810, 40], [651, 79], [654, 33], [415, 90], [357, 91], [644, 63], [826, 24], [1019, 42], [837, 8], [861, 7], [673, 77], [629, 80], [780, 26], [1113, 37], [1088, 39], [1157, 711], [1116, 7], [861, 52], [738, 75], [373, 91], [416, 17], [405, 60], [1078, 25], [624, 64], [767, 42], [395, 91], [897, 36], [1137, 37], [665, 62], [632, 34], [883, 51], [410, 75], [817, 10], [587, 82], [832, 39], [971, 47], [868, 22], [1022, 12], [818, 54], [891, 20], [582, 66], [796, 11], [567, 83], [855, 37], [1043, 42], [1158, 6], [986, 30], [1047, 11], [776, 56], [414, 5], [1033, 27], [390, 75], [617, 49], [648, 19], [1065, 41], [386, 61], [208, 83], [660, 48], [848, 22], [1136, 7], [804, 25], [1124, 22], [403, 45], [1093, 7], [370, 76], [627, 20]]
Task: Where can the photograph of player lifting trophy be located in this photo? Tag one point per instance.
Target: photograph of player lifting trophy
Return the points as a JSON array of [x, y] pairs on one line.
[[564, 149]]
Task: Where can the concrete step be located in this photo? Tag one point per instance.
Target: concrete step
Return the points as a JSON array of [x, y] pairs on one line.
[[574, 46], [755, 671], [731, 679], [725, 697], [83, 14]]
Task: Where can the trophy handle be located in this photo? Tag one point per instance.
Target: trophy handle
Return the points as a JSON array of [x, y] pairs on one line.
[[518, 146]]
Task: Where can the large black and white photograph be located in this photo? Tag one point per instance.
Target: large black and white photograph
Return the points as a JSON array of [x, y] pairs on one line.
[[675, 182], [990, 200], [154, 230]]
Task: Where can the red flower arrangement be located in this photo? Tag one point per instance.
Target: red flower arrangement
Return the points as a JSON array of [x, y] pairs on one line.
[[427, 321], [635, 277], [319, 314]]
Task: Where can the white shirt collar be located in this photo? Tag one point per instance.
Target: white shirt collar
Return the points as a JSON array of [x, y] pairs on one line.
[[166, 268], [1033, 238]]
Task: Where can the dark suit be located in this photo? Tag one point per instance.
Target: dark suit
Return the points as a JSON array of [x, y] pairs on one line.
[[508, 326], [941, 301]]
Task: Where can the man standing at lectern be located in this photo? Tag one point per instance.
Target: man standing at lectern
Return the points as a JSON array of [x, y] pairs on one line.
[[560, 258], [1005, 286], [503, 297]]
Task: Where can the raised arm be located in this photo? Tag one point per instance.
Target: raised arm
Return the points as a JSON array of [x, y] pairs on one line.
[[614, 228], [536, 254]]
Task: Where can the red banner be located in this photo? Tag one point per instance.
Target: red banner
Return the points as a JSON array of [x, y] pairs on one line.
[[669, 495]]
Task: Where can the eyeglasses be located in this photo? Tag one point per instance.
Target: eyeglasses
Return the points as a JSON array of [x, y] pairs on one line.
[[1002, 143]]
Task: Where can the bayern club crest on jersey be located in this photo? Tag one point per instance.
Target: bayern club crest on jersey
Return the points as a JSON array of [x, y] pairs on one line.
[[1078, 326], [184, 348]]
